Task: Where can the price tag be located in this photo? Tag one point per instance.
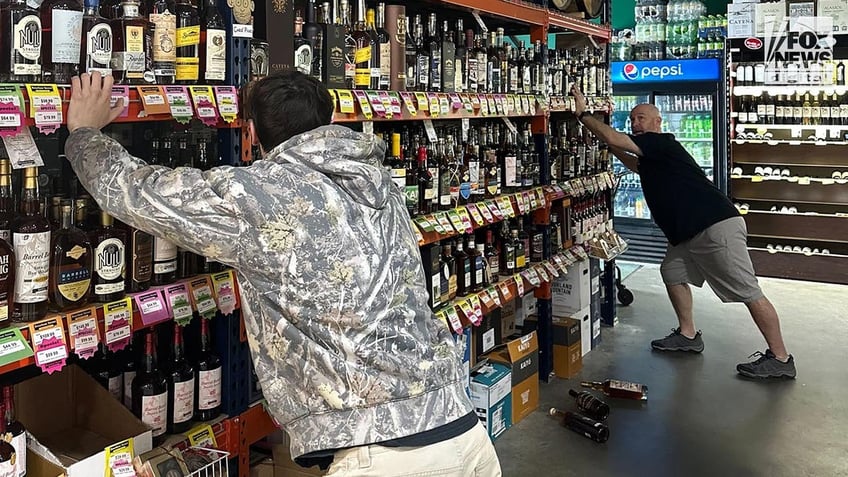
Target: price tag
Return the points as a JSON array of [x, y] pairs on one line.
[[117, 316], [493, 106], [442, 316], [533, 198], [228, 105], [475, 214], [494, 209], [455, 100], [409, 101], [465, 219], [542, 102], [151, 307], [22, 150], [48, 342], [493, 294], [121, 92], [531, 276], [437, 226], [204, 104], [224, 284], [45, 106], [467, 310], [85, 334], [152, 101], [453, 319], [484, 106], [13, 346], [521, 203], [543, 274], [485, 209], [364, 106], [500, 103], [519, 284], [418, 236], [394, 98], [581, 253], [11, 110], [487, 299], [431, 131], [551, 269], [376, 103], [421, 101], [346, 104], [386, 100], [477, 309], [179, 303], [525, 104], [505, 204], [466, 103], [201, 294], [433, 105], [475, 101], [506, 294], [203, 436], [510, 103], [119, 458], [445, 222], [178, 103], [423, 223], [444, 104]]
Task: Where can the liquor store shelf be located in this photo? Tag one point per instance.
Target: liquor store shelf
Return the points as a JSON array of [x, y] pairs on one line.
[[156, 106], [792, 180], [794, 127], [785, 142], [775, 90]]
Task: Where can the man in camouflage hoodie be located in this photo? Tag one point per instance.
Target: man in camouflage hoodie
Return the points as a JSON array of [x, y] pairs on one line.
[[351, 360]]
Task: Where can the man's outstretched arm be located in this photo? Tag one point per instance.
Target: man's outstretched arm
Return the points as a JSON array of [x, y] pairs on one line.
[[604, 132]]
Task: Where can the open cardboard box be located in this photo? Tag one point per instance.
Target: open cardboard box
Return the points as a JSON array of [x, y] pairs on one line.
[[74, 419], [38, 466]]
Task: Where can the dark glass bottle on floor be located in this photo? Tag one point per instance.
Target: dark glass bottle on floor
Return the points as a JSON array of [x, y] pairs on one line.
[[109, 260], [590, 405], [106, 369], [61, 28], [590, 428], [619, 389], [71, 264], [31, 238], [180, 387], [150, 390], [21, 43], [208, 382]]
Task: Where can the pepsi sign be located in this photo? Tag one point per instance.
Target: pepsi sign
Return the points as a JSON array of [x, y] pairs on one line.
[[665, 71]]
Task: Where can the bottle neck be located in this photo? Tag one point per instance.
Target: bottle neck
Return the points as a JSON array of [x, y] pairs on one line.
[[205, 337], [30, 204], [9, 405], [178, 343], [148, 361]]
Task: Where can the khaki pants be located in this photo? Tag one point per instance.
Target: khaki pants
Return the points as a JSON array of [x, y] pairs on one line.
[[468, 455]]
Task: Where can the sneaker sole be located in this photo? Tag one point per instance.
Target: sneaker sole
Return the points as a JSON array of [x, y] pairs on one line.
[[687, 349], [751, 375]]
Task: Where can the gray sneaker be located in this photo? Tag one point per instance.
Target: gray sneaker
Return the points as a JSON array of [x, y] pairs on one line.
[[677, 342], [767, 366]]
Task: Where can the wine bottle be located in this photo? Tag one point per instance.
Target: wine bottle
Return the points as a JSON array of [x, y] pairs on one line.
[[150, 391], [592, 429], [180, 387], [16, 430], [208, 382], [590, 405], [129, 370], [105, 370], [619, 389]]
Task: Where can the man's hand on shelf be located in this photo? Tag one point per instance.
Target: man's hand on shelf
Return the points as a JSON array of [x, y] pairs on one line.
[[90, 98], [579, 100]]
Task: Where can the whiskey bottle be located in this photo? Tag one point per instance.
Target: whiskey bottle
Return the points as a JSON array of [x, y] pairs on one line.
[[138, 260], [492, 258], [208, 382], [460, 58], [363, 56], [130, 46], [332, 50], [70, 264], [482, 55], [371, 28], [384, 41], [7, 201], [590, 405], [493, 65], [591, 429], [619, 389], [448, 60], [31, 241], [463, 269], [520, 252], [163, 25], [150, 391], [21, 42], [471, 66], [96, 50], [61, 27], [7, 252], [180, 387], [105, 369], [349, 46], [302, 49], [448, 273], [213, 44], [422, 58], [397, 27], [109, 260], [313, 33], [478, 271], [434, 50], [188, 42], [410, 54], [427, 184], [15, 432], [164, 261]]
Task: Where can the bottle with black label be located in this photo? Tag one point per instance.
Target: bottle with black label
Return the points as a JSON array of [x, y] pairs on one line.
[[463, 269], [302, 49], [21, 43], [109, 260], [139, 260], [71, 264], [448, 60]]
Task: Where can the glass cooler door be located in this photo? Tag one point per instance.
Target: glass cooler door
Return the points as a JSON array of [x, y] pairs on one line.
[[629, 200], [690, 118]]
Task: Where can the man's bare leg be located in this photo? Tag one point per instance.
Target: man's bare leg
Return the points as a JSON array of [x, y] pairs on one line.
[[681, 300], [765, 316]]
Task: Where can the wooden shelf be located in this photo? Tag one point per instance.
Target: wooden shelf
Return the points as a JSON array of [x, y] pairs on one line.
[[826, 228], [776, 90], [787, 192], [565, 22], [797, 266], [802, 155]]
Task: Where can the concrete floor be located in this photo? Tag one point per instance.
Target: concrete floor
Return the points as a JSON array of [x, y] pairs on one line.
[[701, 419]]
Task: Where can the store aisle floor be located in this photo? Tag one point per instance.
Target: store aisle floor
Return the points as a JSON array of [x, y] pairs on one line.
[[701, 419]]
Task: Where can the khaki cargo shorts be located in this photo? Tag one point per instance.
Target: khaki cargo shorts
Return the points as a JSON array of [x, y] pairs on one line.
[[719, 256]]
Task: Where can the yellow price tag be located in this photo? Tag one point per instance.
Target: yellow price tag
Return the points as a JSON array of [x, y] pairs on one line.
[[346, 104], [202, 436]]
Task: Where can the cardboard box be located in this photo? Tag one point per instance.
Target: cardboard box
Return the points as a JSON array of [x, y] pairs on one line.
[[488, 334], [741, 20], [585, 318], [491, 388], [522, 356], [566, 331], [508, 327], [508, 314], [568, 360], [596, 331], [281, 464], [76, 440], [37, 466], [524, 307], [595, 275], [571, 292]]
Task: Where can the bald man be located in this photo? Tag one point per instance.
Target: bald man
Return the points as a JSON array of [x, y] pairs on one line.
[[707, 237]]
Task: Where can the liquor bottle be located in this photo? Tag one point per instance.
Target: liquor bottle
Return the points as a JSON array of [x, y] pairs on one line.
[[188, 42], [105, 369], [71, 264], [213, 45], [460, 58], [397, 28], [410, 54], [7, 201], [448, 60], [493, 65], [96, 49], [61, 27], [537, 244], [180, 376], [7, 252], [109, 260], [471, 161], [15, 433], [385, 49], [463, 269], [110, 9], [313, 33], [619, 389], [371, 29], [302, 49], [510, 165], [484, 279], [597, 431], [520, 251], [163, 25], [130, 50], [590, 405], [349, 45], [434, 50], [363, 53], [445, 262], [471, 68], [475, 259], [138, 260], [21, 43], [482, 55], [208, 381], [332, 50], [508, 252], [31, 241], [129, 369], [422, 58], [449, 271], [150, 390], [411, 192], [448, 179], [164, 261], [427, 184], [840, 74], [492, 257]]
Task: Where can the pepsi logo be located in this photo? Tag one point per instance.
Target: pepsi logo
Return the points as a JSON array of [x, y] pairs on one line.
[[753, 43], [630, 71]]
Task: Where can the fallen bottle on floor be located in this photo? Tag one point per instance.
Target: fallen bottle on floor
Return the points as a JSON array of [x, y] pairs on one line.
[[590, 428], [619, 389], [590, 405]]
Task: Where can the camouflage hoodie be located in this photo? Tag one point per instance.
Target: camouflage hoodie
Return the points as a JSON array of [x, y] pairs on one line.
[[345, 346]]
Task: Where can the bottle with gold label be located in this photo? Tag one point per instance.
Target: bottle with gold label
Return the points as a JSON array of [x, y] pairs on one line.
[[188, 42], [163, 23], [213, 41], [31, 241], [70, 264], [130, 49]]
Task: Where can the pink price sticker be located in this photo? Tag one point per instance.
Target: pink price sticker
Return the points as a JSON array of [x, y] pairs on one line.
[[48, 118], [151, 307], [121, 92], [227, 99], [51, 354], [11, 119], [207, 113]]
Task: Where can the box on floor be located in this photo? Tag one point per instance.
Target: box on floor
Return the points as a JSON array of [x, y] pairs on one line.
[[491, 395], [571, 292], [522, 356]]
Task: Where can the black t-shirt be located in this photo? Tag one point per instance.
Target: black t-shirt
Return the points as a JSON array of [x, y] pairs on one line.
[[682, 199]]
